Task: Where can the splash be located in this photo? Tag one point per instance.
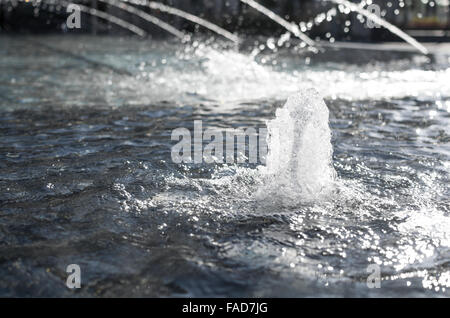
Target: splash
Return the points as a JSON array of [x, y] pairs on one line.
[[299, 161], [229, 77], [193, 18], [147, 17], [291, 27], [392, 28]]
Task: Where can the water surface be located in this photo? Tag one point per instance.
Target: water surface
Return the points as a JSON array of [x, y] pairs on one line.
[[86, 174]]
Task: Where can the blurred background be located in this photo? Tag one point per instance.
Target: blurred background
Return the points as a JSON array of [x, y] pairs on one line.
[[426, 20]]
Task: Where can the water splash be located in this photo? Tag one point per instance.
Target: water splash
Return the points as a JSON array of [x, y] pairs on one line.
[[210, 74], [291, 27], [190, 17], [147, 17], [299, 161], [318, 19], [392, 28]]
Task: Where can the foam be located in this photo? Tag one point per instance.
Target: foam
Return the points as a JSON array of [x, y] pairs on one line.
[[299, 161]]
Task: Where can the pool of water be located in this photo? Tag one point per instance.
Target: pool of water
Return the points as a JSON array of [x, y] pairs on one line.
[[87, 176]]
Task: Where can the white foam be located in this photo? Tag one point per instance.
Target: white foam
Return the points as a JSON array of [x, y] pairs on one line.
[[299, 161], [227, 76]]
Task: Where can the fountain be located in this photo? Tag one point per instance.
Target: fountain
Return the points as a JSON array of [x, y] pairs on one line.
[[197, 20], [93, 12], [290, 26], [100, 14], [299, 162], [145, 16], [355, 176], [376, 19]]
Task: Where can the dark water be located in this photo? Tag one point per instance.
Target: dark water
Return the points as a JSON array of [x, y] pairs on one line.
[[86, 174]]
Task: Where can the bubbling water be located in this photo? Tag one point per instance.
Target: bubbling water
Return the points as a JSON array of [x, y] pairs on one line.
[[299, 161]]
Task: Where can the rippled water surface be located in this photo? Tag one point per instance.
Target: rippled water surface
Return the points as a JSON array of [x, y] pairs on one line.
[[86, 174]]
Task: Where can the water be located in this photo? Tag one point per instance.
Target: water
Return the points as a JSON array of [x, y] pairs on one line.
[[86, 175], [376, 19], [291, 27], [145, 16], [190, 17], [299, 163], [108, 17]]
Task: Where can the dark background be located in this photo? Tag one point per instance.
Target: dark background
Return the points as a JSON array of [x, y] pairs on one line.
[[427, 22]]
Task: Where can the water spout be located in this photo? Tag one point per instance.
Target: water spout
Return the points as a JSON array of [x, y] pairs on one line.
[[94, 12], [147, 17], [188, 16], [291, 27], [392, 28], [299, 162]]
